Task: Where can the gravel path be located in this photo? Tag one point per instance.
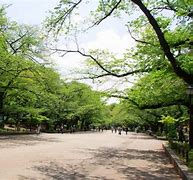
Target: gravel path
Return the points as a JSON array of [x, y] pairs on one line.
[[84, 156]]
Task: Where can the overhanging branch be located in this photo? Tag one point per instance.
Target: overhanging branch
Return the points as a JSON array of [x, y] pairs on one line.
[[108, 72], [188, 78], [164, 104], [107, 14], [138, 40]]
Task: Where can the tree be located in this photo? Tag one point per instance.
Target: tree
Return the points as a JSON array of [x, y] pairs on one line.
[[166, 42], [34, 93], [159, 93], [180, 9], [22, 77], [158, 89], [80, 106]]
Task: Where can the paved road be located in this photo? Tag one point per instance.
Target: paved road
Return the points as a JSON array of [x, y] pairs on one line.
[[86, 156]]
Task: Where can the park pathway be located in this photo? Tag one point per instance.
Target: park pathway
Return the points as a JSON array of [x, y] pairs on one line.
[[84, 156]]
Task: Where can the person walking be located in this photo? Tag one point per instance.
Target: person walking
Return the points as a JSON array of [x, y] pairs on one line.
[[115, 129], [38, 130], [126, 130], [119, 130], [112, 129]]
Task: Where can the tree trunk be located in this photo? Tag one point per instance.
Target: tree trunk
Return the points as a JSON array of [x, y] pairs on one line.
[[191, 124], [187, 77]]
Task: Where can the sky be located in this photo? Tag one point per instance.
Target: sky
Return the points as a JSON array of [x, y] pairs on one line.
[[111, 35]]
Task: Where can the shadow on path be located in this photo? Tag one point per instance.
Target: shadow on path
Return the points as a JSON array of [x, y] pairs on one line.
[[127, 164], [57, 172], [19, 140], [137, 164]]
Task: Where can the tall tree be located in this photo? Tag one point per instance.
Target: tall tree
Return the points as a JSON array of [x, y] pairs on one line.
[[163, 41], [153, 12]]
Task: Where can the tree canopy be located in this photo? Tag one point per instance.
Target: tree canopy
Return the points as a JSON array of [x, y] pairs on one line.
[[32, 92], [162, 57], [154, 31]]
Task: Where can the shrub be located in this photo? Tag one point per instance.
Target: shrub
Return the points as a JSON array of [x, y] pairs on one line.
[[169, 126]]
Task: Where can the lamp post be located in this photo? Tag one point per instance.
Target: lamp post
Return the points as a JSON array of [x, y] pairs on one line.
[[189, 91]]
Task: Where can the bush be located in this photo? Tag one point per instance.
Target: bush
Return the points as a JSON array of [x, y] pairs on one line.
[[169, 127], [182, 149], [190, 160]]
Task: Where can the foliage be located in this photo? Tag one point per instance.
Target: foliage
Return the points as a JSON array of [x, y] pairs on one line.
[[34, 92], [162, 31], [158, 94], [182, 150], [190, 164], [158, 88], [162, 57], [169, 126]]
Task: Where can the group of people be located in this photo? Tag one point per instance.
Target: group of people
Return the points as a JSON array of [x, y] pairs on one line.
[[119, 130]]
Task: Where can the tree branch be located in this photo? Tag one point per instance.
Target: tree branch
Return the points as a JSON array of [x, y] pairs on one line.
[[188, 78], [182, 42], [106, 14], [137, 40], [108, 72], [11, 44], [171, 7], [164, 104], [64, 16]]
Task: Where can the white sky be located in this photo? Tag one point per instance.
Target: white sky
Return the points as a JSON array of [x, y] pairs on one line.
[[111, 35]]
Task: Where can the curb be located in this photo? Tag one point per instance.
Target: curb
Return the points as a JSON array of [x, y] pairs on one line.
[[179, 165]]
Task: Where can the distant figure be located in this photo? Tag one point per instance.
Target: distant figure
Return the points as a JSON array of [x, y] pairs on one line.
[[149, 131], [126, 130], [115, 129], [112, 129], [181, 136], [137, 129], [62, 129], [73, 129], [38, 130], [119, 130], [58, 129], [70, 129]]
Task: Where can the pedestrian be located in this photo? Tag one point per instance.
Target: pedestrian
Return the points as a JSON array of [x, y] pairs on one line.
[[181, 136], [115, 129], [38, 129], [119, 130], [137, 129], [62, 129], [126, 130]]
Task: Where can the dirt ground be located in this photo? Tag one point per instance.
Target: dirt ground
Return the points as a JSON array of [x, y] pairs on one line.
[[84, 156]]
